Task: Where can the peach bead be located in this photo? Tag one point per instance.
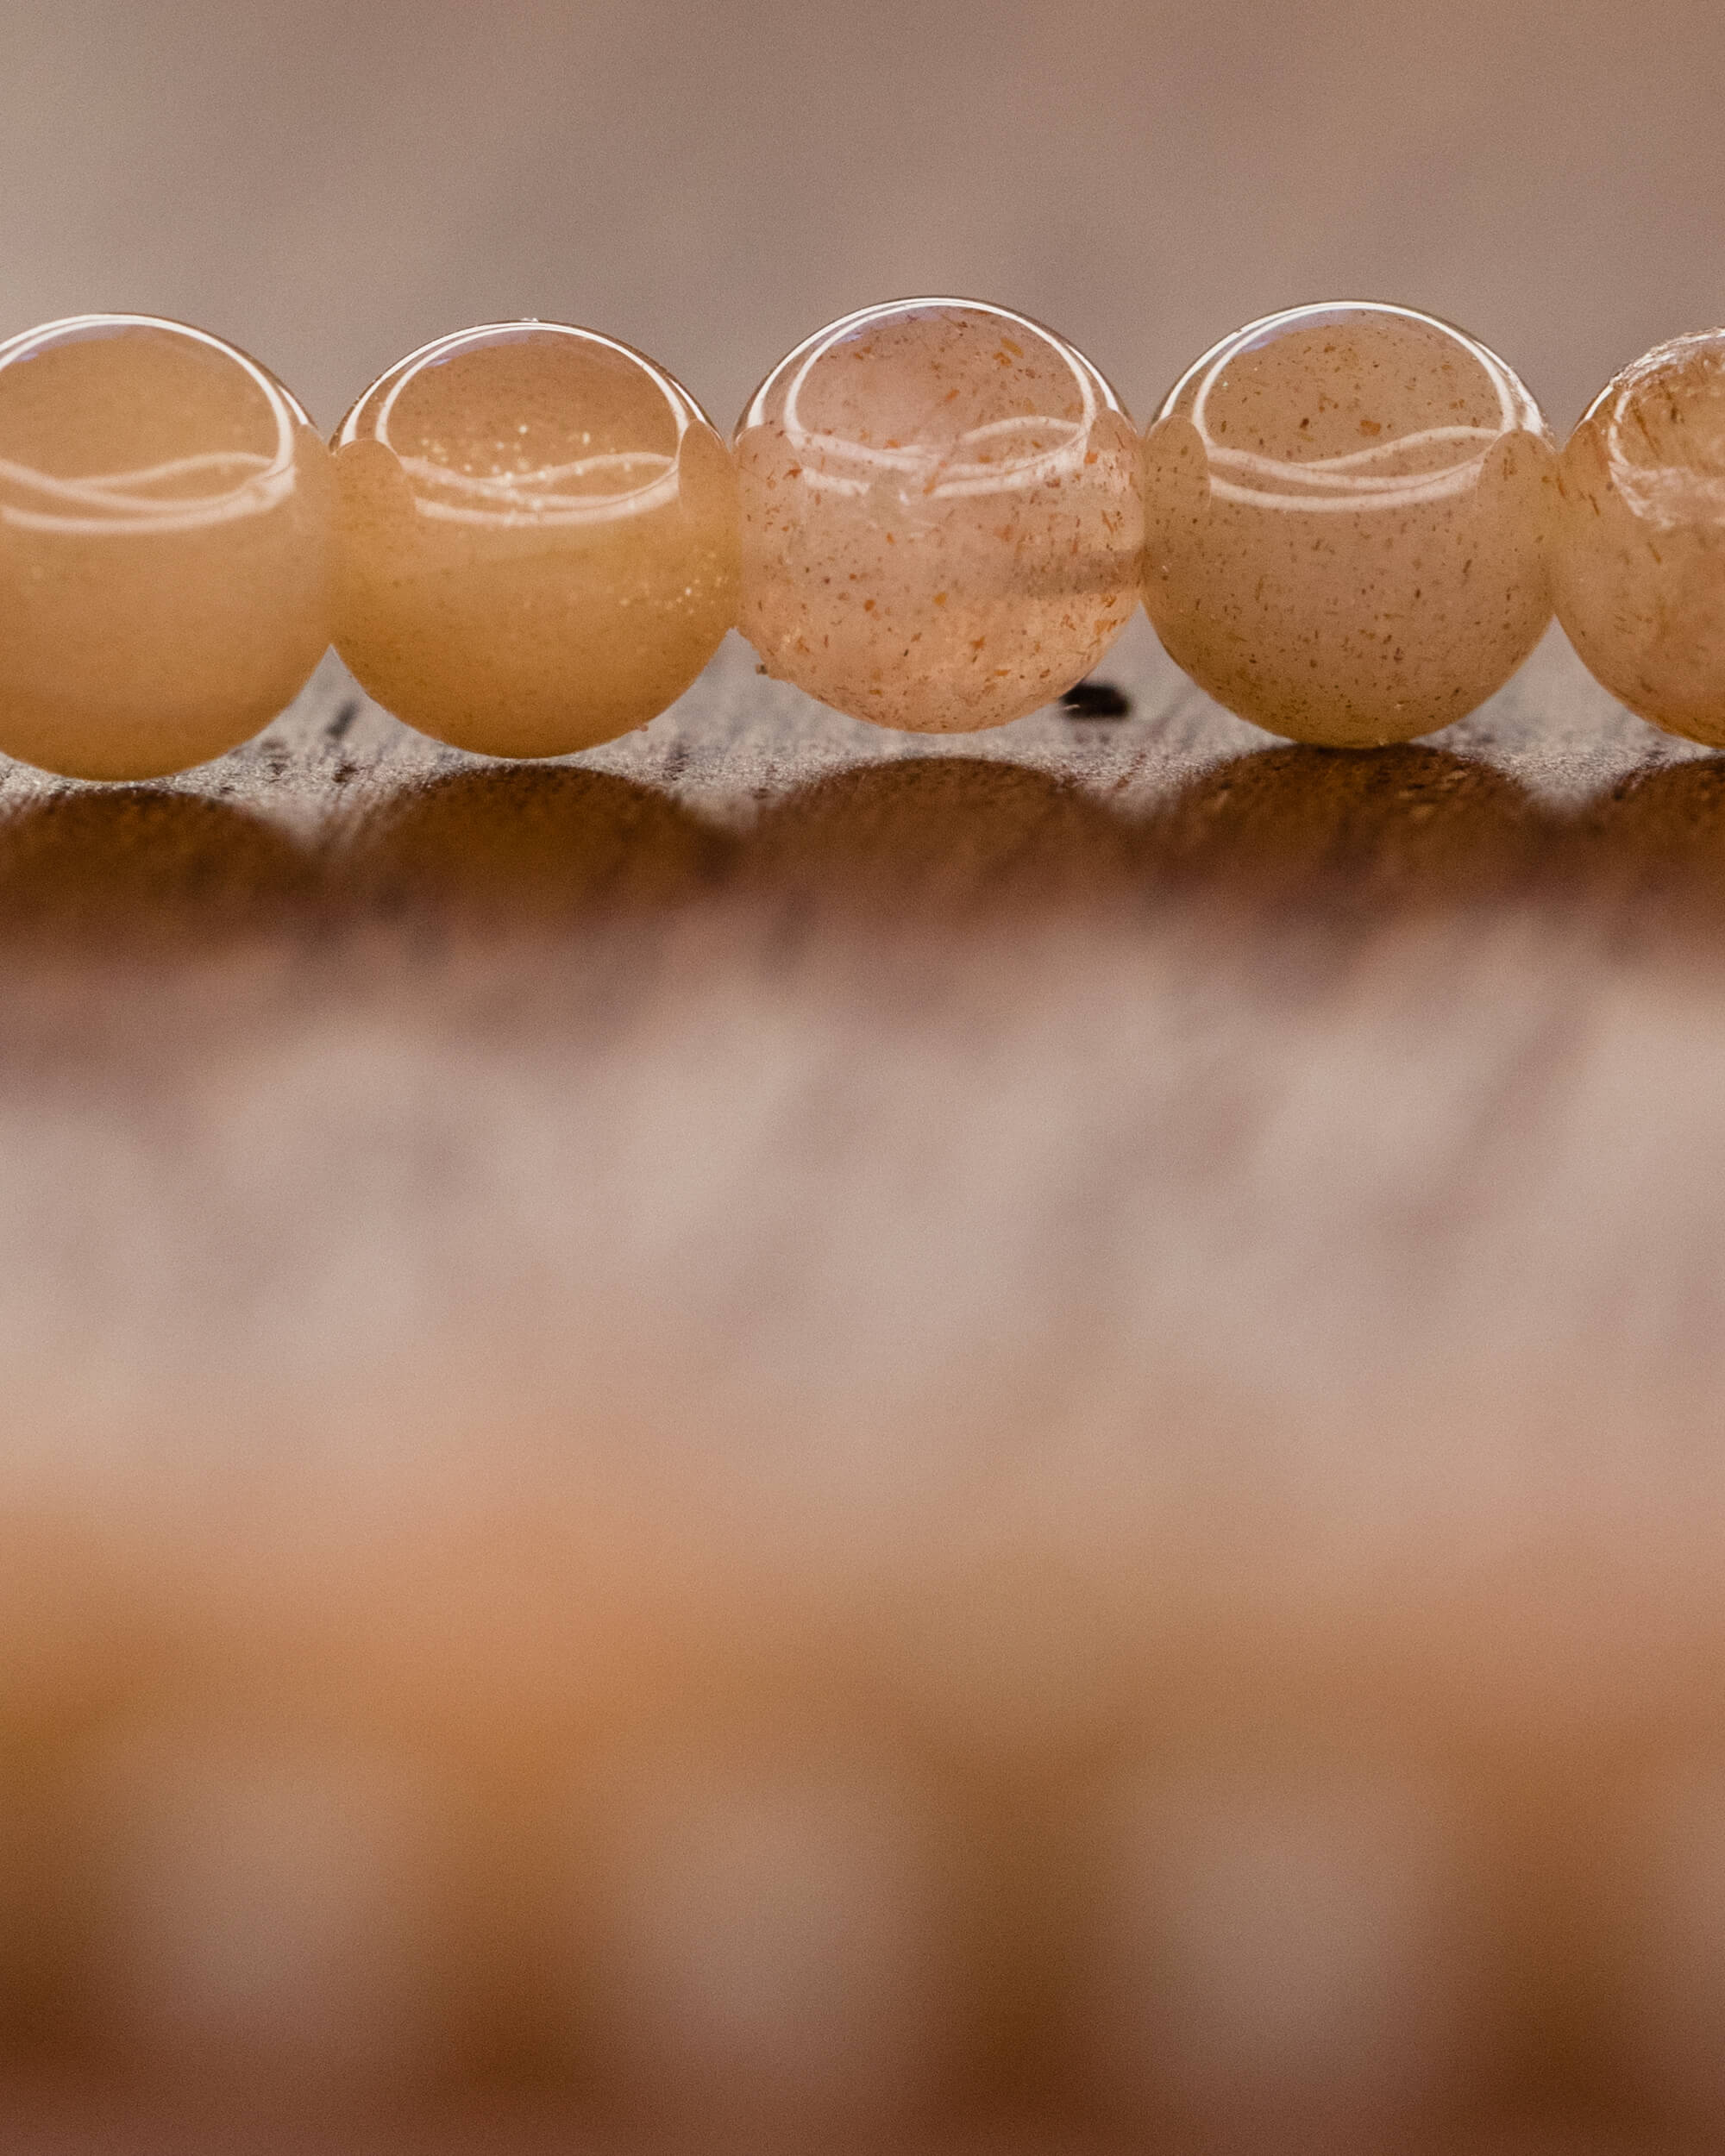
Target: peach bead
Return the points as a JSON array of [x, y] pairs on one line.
[[1345, 509], [164, 546], [1638, 540], [538, 539], [941, 518]]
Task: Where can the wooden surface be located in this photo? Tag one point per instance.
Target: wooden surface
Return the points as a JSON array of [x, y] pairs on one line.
[[1052, 1257], [1145, 1303], [1277, 1067]]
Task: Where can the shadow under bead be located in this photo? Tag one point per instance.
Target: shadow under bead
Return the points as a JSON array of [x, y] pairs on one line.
[[519, 848], [925, 840], [136, 869], [1363, 835], [1650, 857]]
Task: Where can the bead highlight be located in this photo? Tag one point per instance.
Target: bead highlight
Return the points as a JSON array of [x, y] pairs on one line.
[[1638, 539], [538, 539], [941, 516], [164, 546], [1346, 509]]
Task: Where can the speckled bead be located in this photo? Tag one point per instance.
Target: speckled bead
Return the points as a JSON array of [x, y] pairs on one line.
[[165, 524], [1347, 507], [538, 539], [1638, 539], [941, 516]]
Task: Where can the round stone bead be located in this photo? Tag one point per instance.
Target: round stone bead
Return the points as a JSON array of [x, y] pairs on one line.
[[941, 516], [1346, 508], [1638, 538], [538, 539], [166, 528]]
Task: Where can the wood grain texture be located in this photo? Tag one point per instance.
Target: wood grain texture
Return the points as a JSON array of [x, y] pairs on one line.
[[1059, 1258]]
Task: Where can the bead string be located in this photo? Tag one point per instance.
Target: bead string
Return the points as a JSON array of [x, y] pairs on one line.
[[1349, 522]]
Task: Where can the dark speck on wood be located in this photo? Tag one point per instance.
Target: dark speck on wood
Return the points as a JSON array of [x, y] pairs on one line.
[[1096, 699]]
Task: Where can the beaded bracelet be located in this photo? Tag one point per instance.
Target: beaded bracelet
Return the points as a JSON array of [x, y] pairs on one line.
[[1348, 522]]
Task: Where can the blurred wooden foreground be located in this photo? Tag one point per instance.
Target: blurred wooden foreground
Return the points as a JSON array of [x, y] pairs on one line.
[[794, 1432]]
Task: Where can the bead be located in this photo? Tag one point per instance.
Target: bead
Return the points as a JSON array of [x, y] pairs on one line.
[[538, 539], [164, 546], [1345, 506], [941, 516], [1638, 537]]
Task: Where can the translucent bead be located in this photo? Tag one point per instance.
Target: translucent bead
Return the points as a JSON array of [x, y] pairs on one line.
[[1345, 509], [941, 516], [1638, 539], [164, 546], [538, 539]]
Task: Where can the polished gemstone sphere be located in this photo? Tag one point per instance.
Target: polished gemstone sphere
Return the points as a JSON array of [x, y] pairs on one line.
[[164, 546], [1345, 509], [941, 516], [1638, 539], [538, 539]]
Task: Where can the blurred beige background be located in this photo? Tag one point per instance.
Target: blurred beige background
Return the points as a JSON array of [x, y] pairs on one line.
[[334, 182]]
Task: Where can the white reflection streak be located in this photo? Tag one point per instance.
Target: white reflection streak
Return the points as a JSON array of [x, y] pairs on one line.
[[1338, 484], [1664, 494], [116, 501], [513, 497], [525, 498], [120, 504], [955, 475]]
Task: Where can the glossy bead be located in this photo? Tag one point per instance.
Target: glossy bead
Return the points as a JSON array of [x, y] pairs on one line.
[[1638, 538], [538, 539], [941, 517], [1345, 509], [164, 546]]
